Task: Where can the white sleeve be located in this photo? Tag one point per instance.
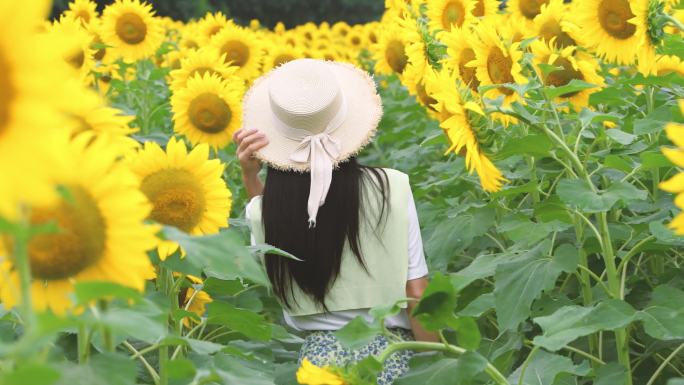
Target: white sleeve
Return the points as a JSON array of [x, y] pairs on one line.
[[417, 267], [252, 241]]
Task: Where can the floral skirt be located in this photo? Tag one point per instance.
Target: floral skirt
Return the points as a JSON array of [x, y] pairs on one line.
[[322, 348]]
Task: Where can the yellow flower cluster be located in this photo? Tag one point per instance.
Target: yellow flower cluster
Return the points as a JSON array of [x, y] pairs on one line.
[[484, 46], [675, 132]]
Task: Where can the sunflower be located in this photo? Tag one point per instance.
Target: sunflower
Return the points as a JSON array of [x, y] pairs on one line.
[[84, 11], [132, 29], [446, 14], [465, 126], [524, 11], [77, 43], [208, 110], [341, 29], [31, 95], [460, 52], [279, 54], [356, 38], [416, 51], [212, 24], [508, 27], [94, 118], [574, 66], [666, 65], [415, 82], [606, 27], [310, 374], [486, 8], [241, 48], [201, 61], [190, 37], [497, 63], [550, 25], [103, 53], [185, 188], [646, 54], [390, 51], [194, 299], [675, 185], [102, 235]]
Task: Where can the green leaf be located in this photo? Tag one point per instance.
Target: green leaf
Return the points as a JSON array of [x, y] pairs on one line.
[[663, 316], [460, 371], [654, 159], [577, 193], [675, 381], [467, 332], [571, 322], [544, 368], [664, 234], [89, 291], [653, 122], [618, 162], [268, 249], [102, 369], [221, 255], [144, 322], [536, 145], [34, 374], [620, 136], [575, 85], [232, 370], [611, 374], [244, 321], [478, 306], [518, 283], [435, 310], [181, 369], [357, 333]]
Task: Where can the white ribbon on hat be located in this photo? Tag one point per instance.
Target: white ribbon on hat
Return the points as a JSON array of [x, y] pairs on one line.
[[319, 151]]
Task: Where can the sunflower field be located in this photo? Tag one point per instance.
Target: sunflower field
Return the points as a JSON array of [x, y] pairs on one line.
[[545, 144]]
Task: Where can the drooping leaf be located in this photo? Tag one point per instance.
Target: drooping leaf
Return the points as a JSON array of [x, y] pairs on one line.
[[577, 193], [663, 316], [459, 370], [357, 333], [435, 310], [249, 323], [517, 284], [544, 368]]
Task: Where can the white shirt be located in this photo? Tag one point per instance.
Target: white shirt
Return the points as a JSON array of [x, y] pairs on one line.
[[417, 268]]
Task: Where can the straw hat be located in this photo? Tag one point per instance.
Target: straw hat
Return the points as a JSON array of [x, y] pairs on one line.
[[315, 114]]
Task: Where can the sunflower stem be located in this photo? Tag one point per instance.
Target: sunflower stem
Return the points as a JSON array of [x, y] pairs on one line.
[[83, 342], [490, 369], [23, 266], [673, 20]]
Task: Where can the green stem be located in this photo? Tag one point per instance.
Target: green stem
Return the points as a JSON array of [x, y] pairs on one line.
[[526, 364], [106, 331], [23, 266], [490, 369], [139, 355], [83, 342], [631, 253], [662, 366], [587, 295], [674, 22]]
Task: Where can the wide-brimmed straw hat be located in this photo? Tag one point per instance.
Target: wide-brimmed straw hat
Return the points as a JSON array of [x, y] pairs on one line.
[[315, 114]]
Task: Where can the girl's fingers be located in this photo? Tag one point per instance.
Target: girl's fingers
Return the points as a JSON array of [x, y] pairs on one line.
[[241, 134], [248, 152], [249, 139]]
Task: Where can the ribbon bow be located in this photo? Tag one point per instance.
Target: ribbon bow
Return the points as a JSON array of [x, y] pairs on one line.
[[319, 151]]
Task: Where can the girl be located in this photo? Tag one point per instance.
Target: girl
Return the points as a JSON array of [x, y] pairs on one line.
[[355, 228]]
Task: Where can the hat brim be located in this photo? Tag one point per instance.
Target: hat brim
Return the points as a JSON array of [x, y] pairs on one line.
[[364, 113]]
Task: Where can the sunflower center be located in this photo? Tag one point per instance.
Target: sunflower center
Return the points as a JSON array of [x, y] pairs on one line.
[[499, 69], [236, 52], [100, 52], [531, 8], [396, 56], [77, 59], [468, 73], [131, 28], [282, 58], [6, 91], [79, 241], [177, 198], [479, 8], [372, 37], [453, 13], [614, 15], [423, 96], [552, 29], [356, 40], [209, 113], [83, 15], [563, 76]]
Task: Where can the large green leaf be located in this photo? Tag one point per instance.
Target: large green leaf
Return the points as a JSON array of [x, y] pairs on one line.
[[357, 333], [435, 310], [544, 368], [663, 316], [221, 255], [34, 374], [611, 374], [517, 284], [577, 193], [459, 370], [102, 369], [571, 322], [249, 323]]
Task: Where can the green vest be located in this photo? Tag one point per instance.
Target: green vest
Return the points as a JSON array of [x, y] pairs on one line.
[[384, 250]]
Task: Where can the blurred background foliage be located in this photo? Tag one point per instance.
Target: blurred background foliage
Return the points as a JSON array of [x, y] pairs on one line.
[[269, 12]]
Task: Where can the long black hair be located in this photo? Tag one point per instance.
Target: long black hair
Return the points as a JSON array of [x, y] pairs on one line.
[[320, 248]]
